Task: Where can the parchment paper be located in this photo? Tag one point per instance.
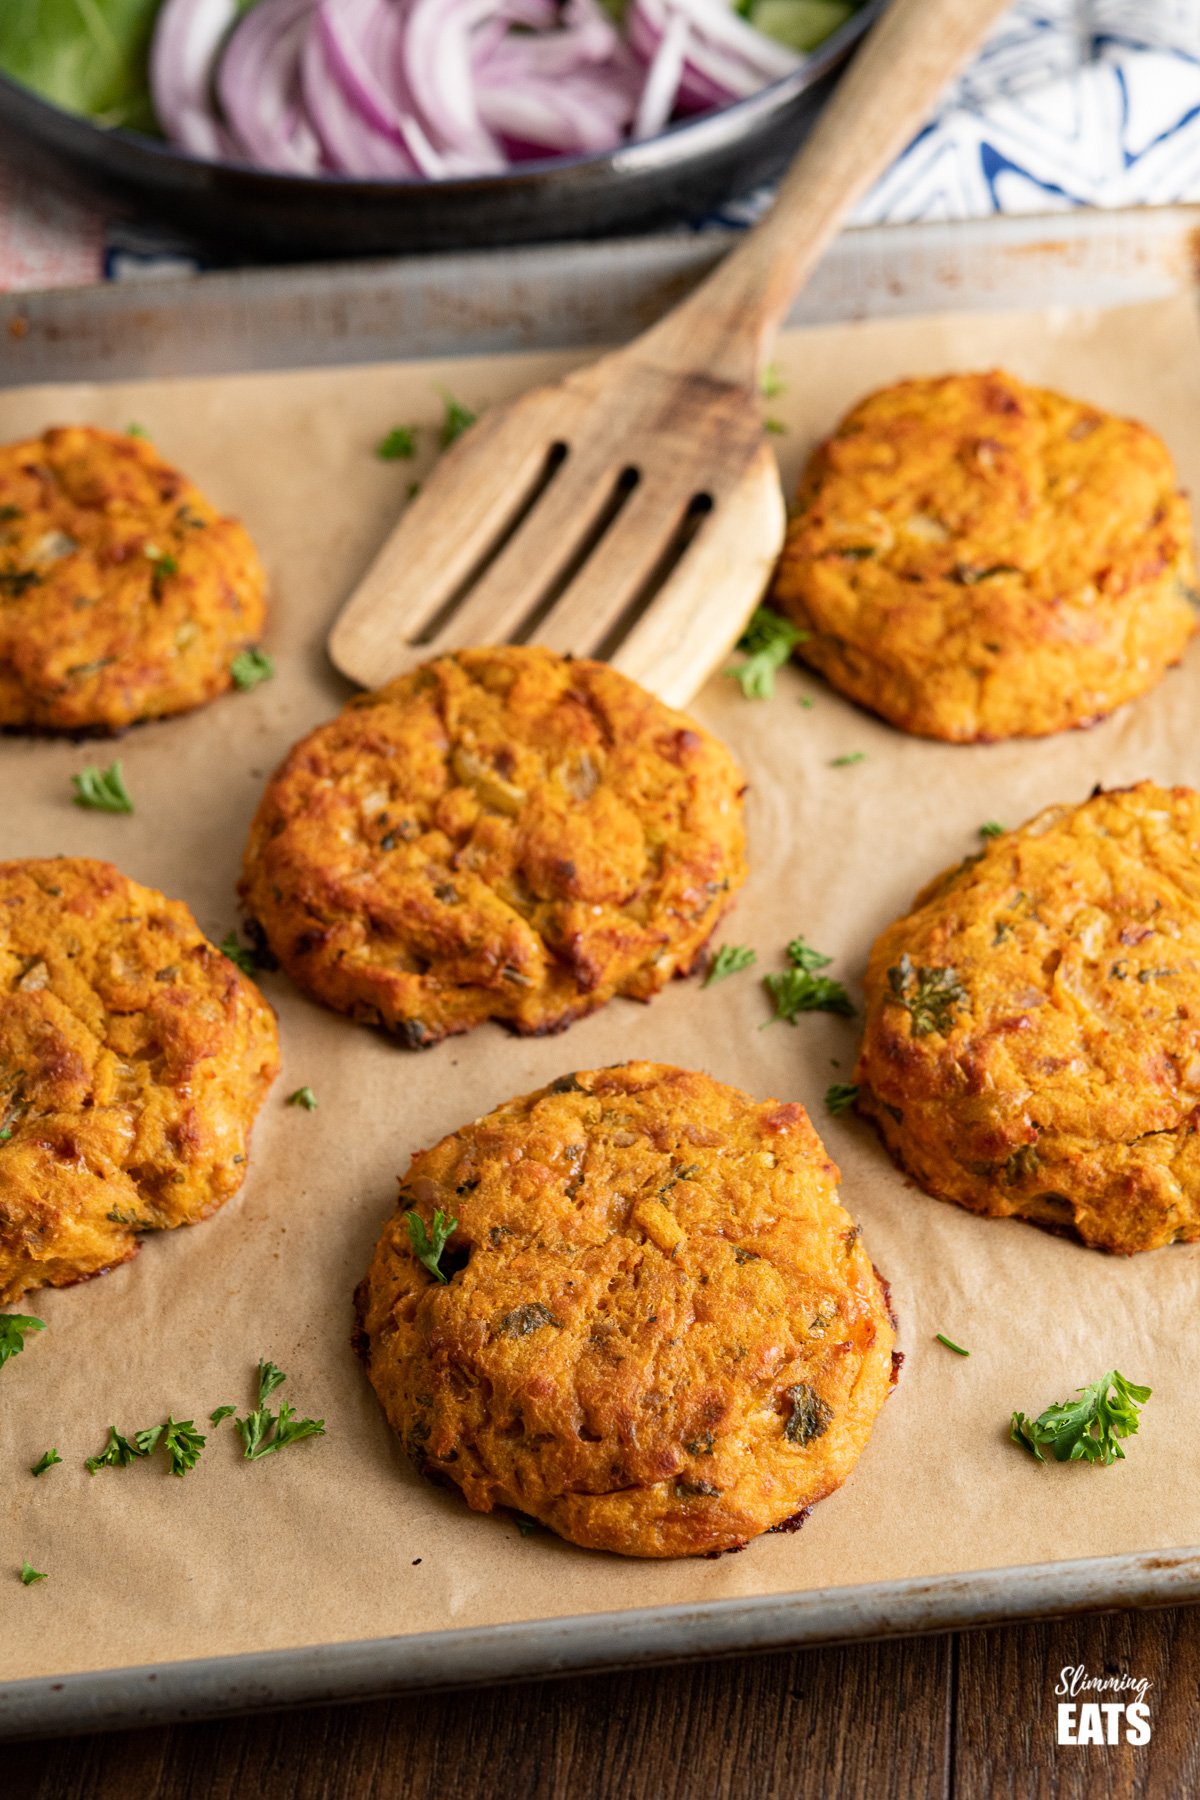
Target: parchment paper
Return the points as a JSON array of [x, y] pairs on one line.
[[338, 1538]]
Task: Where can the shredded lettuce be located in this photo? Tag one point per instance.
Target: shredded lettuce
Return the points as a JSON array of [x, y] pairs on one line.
[[87, 56]]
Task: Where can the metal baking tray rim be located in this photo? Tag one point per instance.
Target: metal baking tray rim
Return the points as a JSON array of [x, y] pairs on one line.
[[362, 1669]]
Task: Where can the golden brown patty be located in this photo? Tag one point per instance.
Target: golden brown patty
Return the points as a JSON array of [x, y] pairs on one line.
[[1032, 1041], [977, 559], [661, 1334], [502, 834], [133, 1058], [123, 594]]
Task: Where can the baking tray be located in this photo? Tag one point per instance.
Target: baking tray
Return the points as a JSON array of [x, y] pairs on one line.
[[572, 296]]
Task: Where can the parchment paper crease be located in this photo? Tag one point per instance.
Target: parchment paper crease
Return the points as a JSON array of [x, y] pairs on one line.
[[337, 1538]]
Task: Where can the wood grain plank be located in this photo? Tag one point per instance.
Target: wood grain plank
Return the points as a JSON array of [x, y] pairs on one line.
[[1006, 1715], [871, 1720]]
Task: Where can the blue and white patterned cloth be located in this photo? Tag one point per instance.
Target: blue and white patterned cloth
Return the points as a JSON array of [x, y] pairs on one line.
[[1070, 103]]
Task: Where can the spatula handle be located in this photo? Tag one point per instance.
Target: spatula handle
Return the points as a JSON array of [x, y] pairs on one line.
[[727, 325]]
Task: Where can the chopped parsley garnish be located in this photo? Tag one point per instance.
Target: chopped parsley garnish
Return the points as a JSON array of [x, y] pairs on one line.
[[803, 956], [183, 1444], [119, 1452], [136, 431], [932, 996], [249, 667], [428, 1247], [941, 1338], [991, 829], [776, 427], [400, 444], [768, 642], [221, 1412], [771, 382], [16, 582], [13, 1328], [810, 1416], [44, 1462], [841, 1096], [525, 1525], [458, 418], [729, 960], [1088, 1429], [240, 955], [29, 1574], [262, 1431], [102, 790], [6, 1134], [303, 1097], [849, 759], [799, 989], [164, 563]]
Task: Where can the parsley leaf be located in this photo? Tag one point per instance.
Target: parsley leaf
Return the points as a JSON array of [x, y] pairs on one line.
[[991, 829], [458, 418], [6, 1134], [303, 1097], [118, 1453], [847, 762], [221, 1412], [776, 427], [799, 989], [29, 1574], [13, 1329], [428, 1248], [803, 956], [102, 790], [940, 1337], [767, 641], [263, 1431], [240, 955], [729, 960], [771, 382], [249, 667], [841, 1096], [183, 1444], [164, 563], [270, 1376], [1088, 1429], [45, 1462], [400, 444], [932, 996], [138, 431], [795, 991]]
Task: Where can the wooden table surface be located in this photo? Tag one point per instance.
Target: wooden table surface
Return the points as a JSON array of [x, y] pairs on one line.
[[971, 1715]]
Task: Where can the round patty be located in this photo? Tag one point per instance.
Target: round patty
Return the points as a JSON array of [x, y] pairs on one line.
[[502, 834], [123, 594], [660, 1335], [1032, 1040], [133, 1058], [975, 559]]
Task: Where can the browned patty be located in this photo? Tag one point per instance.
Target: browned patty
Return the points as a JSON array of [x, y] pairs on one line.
[[660, 1332], [502, 834], [974, 558], [123, 594], [133, 1058]]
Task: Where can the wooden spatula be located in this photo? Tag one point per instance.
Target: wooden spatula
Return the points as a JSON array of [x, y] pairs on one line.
[[633, 511]]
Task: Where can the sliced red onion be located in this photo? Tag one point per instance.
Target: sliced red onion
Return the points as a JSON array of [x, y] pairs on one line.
[[258, 85], [435, 65], [404, 89], [187, 37], [661, 91]]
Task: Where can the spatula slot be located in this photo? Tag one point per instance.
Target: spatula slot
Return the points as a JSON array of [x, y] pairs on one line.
[[556, 456], [603, 522], [673, 553]]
